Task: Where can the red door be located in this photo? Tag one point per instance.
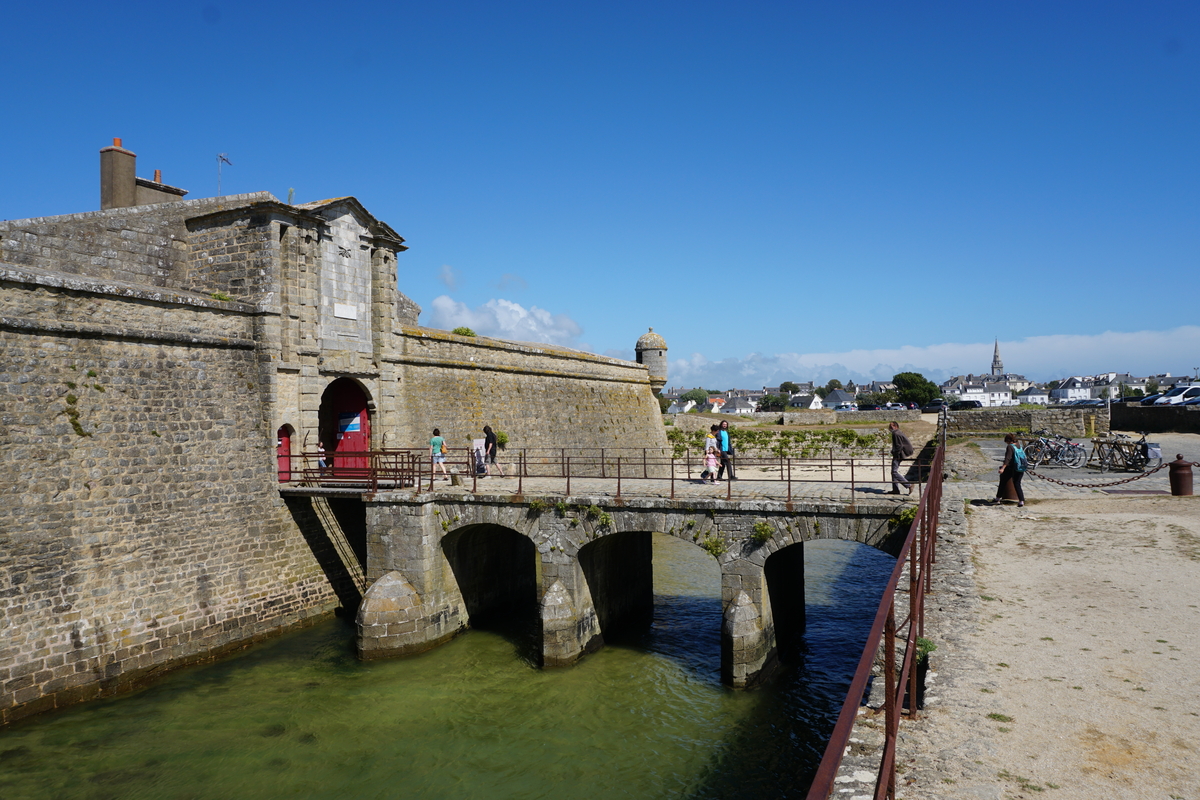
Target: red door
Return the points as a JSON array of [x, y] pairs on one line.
[[344, 416], [283, 453]]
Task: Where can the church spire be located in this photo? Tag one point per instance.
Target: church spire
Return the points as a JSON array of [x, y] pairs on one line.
[[997, 364]]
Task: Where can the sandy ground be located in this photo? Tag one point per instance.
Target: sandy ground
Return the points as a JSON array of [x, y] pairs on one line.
[[1073, 671]]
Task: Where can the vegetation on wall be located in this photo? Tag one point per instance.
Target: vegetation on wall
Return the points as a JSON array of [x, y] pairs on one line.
[[785, 443]]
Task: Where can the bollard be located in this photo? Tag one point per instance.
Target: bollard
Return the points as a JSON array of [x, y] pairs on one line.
[[1181, 476]]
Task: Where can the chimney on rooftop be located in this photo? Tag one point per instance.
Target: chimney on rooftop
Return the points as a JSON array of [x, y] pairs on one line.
[[118, 177], [121, 188]]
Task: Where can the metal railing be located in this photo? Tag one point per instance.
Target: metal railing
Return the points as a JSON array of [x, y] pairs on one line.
[[917, 556], [627, 468]]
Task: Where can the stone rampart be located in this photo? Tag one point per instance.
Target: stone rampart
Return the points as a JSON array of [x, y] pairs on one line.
[[541, 396], [1155, 419], [141, 525], [142, 244], [1076, 422]]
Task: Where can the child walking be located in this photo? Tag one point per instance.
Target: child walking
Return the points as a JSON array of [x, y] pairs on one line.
[[711, 462]]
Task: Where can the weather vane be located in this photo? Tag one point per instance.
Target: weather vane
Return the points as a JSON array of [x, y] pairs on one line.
[[222, 158]]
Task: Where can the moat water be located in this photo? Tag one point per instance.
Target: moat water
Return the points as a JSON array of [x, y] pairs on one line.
[[300, 716]]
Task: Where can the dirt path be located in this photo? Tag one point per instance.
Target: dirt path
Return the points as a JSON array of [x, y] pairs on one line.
[[1074, 670]]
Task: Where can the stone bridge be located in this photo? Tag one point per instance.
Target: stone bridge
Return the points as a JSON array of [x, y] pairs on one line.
[[435, 563]]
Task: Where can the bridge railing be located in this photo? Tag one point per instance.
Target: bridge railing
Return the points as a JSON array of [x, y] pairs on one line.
[[898, 639], [631, 470]]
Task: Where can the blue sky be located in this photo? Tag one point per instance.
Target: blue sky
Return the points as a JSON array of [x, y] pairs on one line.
[[783, 190]]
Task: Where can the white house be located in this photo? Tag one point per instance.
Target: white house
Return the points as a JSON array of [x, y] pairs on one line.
[[681, 406], [812, 402], [739, 405], [1035, 396], [989, 395], [836, 398], [1073, 388]]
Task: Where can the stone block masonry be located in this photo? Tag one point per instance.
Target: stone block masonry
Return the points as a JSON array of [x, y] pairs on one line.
[[593, 570], [143, 244], [1067, 421], [142, 526]]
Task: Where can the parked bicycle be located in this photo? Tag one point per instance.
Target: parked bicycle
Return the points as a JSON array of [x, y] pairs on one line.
[[1120, 451], [1054, 447]]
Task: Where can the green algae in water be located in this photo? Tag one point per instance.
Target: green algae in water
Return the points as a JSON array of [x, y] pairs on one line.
[[300, 716]]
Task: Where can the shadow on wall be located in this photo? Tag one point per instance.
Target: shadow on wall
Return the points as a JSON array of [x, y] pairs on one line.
[[336, 531]]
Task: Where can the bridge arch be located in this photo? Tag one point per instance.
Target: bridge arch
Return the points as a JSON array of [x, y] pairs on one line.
[[587, 567], [496, 573], [618, 568]]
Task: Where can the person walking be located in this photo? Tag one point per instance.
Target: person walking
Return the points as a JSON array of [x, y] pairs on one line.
[[437, 449], [711, 460], [1012, 469], [490, 443], [901, 449], [726, 451]]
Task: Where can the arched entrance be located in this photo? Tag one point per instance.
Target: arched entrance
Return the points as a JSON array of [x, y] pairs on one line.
[[344, 425], [283, 452]]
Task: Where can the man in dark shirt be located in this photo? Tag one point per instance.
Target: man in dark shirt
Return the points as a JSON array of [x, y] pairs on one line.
[[901, 449]]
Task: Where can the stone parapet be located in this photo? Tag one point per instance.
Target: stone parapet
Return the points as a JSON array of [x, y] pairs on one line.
[[140, 244], [1077, 422]]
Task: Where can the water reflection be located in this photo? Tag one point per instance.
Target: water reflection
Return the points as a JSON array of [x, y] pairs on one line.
[[648, 718]]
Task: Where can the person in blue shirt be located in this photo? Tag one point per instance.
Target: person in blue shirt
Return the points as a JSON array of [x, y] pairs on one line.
[[726, 451], [437, 449]]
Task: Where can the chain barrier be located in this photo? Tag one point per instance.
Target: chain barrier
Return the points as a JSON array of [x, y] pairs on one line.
[[1100, 485]]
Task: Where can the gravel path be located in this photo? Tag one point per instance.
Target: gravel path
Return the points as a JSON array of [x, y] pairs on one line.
[[1067, 654]]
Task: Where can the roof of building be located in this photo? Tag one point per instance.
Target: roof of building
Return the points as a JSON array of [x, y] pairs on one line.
[[650, 341]]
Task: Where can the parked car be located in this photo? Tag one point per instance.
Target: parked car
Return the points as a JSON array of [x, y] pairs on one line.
[[895, 406], [911, 406], [1178, 395], [1148, 400], [963, 405], [868, 407], [846, 407], [933, 407]]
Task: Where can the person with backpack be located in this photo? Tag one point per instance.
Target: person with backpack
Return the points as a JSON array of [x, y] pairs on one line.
[[1012, 469], [437, 450], [901, 449]]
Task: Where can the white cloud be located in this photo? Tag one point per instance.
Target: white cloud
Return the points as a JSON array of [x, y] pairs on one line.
[[449, 276], [505, 319], [1039, 357]]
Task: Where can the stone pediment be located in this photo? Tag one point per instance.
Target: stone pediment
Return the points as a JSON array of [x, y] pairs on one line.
[[342, 206]]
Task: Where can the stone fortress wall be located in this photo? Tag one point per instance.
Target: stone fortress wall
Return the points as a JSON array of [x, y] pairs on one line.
[[151, 353], [141, 524]]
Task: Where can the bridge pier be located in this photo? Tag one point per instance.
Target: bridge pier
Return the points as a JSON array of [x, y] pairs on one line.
[[748, 648]]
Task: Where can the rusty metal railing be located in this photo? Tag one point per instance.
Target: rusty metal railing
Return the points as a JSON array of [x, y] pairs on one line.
[[917, 556], [626, 468]]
